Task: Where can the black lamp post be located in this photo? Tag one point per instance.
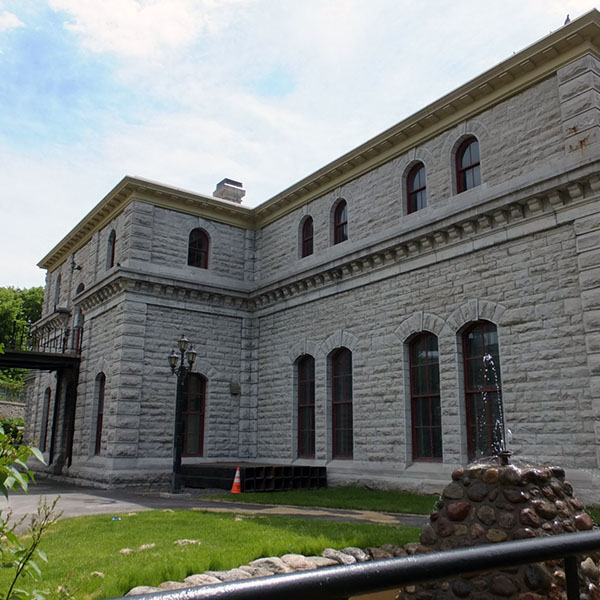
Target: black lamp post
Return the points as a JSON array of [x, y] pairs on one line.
[[178, 366]]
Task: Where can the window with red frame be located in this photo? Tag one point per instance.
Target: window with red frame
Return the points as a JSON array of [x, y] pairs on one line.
[[425, 398], [100, 387], [468, 172], [483, 390], [198, 249], [416, 189], [307, 237], [194, 407], [306, 406], [340, 222], [341, 394]]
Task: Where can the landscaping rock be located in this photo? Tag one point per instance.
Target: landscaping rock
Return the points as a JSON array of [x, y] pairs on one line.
[[200, 579], [142, 589], [340, 557]]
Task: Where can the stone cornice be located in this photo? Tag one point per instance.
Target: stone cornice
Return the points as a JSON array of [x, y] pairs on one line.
[[435, 242], [534, 63], [512, 215], [130, 189]]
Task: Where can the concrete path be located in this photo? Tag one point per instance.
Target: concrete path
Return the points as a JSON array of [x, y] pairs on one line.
[[78, 501]]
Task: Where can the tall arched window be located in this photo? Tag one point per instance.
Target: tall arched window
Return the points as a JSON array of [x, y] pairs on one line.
[[198, 247], [45, 417], [341, 396], [100, 387], [483, 390], [306, 237], [340, 222], [468, 172], [57, 291], [416, 190], [425, 398], [194, 407], [306, 406], [110, 249]]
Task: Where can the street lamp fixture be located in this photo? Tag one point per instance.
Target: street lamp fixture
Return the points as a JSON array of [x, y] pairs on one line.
[[178, 365]]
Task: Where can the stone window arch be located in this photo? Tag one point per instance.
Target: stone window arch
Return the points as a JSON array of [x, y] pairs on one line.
[[467, 164]]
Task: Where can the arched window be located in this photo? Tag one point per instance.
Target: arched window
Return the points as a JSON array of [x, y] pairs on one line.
[[306, 406], [468, 173], [426, 415], [416, 190], [45, 416], [110, 249], [100, 387], [341, 397], [306, 237], [340, 222], [198, 249], [194, 406], [483, 390], [57, 291], [80, 288]]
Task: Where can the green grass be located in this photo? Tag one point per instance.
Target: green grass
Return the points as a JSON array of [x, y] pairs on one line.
[[78, 547], [349, 497], [594, 512]]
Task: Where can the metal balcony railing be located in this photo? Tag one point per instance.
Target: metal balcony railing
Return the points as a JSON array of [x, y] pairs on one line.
[[337, 583], [62, 340]]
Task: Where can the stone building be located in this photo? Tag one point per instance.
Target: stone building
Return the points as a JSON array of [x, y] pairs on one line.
[[370, 317]]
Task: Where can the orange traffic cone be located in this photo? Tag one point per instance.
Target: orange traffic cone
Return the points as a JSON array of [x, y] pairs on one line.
[[236, 488]]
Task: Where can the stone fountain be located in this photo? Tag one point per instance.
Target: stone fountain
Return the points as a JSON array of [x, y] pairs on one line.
[[493, 501]]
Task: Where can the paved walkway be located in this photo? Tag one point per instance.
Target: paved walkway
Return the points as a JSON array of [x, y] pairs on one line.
[[77, 501]]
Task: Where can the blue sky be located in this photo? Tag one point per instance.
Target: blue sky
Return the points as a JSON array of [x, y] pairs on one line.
[[187, 92]]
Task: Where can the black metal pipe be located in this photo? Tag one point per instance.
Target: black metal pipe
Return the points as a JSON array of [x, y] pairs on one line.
[[572, 577], [353, 580]]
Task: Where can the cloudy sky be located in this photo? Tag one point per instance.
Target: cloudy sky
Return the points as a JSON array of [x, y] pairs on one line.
[[186, 92]]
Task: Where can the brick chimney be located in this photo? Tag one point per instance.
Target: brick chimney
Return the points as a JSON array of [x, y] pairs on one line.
[[228, 189]]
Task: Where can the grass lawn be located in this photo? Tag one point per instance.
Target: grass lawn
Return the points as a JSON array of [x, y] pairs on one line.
[[350, 497], [79, 548]]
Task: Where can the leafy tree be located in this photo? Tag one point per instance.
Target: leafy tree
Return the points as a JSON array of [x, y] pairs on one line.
[[17, 308], [21, 554]]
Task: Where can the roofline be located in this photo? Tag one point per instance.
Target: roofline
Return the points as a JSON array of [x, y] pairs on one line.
[[523, 69]]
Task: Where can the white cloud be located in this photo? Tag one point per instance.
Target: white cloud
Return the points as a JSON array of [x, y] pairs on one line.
[[140, 28], [9, 20]]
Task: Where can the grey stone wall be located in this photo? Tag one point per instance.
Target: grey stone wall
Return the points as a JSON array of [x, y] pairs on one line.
[[516, 137]]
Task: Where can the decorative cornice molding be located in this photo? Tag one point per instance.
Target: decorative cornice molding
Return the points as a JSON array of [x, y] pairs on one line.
[[534, 63]]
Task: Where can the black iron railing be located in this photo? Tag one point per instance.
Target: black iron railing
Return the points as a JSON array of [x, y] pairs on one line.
[[62, 340], [336, 583]]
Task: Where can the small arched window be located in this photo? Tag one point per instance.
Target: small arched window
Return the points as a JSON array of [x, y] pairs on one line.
[[416, 190], [306, 237], [483, 390], [100, 387], [468, 172], [426, 416], [340, 222], [80, 288], [341, 398], [110, 249], [198, 247], [306, 406]]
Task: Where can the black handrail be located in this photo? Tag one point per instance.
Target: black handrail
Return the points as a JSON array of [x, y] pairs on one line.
[[352, 580], [62, 340]]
